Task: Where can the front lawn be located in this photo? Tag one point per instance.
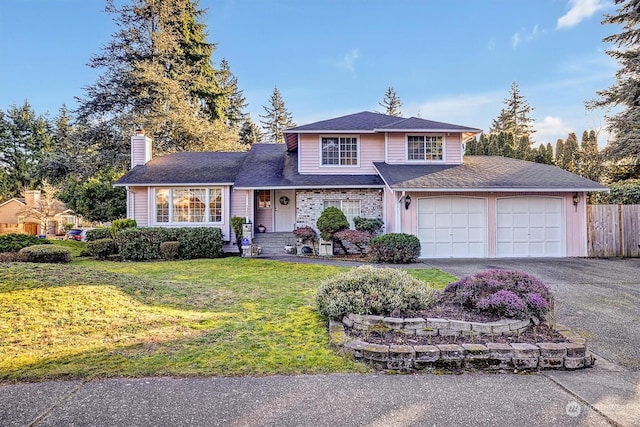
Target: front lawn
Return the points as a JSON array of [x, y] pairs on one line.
[[229, 316]]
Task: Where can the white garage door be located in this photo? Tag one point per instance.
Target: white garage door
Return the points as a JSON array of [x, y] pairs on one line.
[[452, 227], [530, 227]]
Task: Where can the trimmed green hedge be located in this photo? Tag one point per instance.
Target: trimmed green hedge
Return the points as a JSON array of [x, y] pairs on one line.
[[97, 234], [13, 242], [46, 253], [397, 248], [102, 248], [142, 244]]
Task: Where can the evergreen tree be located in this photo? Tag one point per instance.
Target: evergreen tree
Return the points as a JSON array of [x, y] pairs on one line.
[[590, 161], [24, 139], [64, 157], [559, 153], [250, 133], [471, 147], [158, 74], [570, 154], [391, 103], [549, 154], [625, 124], [276, 118], [514, 117], [236, 102], [523, 149]]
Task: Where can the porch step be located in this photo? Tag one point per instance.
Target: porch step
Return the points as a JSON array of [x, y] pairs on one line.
[[274, 243]]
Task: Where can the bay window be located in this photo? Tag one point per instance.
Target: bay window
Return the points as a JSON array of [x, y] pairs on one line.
[[188, 205]]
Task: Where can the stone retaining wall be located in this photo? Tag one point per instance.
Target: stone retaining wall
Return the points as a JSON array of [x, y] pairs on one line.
[[493, 357]]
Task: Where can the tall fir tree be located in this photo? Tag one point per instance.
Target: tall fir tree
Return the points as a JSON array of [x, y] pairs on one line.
[[391, 103], [590, 160], [559, 156], [236, 102], [625, 124], [250, 133], [515, 116], [25, 138], [276, 118], [157, 73]]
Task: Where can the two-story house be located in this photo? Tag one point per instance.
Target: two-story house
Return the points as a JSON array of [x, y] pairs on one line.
[[409, 172]]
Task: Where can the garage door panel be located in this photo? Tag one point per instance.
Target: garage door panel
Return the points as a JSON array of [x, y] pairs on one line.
[[457, 227], [530, 226]]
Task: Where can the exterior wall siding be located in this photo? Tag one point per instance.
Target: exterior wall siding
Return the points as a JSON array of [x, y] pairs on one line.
[[310, 203], [140, 202], [397, 149], [371, 150], [575, 217]]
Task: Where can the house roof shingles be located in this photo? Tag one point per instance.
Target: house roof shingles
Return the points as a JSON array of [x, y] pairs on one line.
[[271, 166], [186, 168], [367, 121], [479, 173]]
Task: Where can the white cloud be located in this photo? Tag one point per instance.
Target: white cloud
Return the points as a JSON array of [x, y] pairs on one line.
[[515, 40], [349, 60], [580, 10], [550, 129]]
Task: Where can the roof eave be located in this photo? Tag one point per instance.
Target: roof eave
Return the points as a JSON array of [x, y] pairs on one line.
[[499, 190], [169, 184], [463, 131]]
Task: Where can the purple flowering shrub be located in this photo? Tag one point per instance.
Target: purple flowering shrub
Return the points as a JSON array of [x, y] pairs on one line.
[[505, 293]]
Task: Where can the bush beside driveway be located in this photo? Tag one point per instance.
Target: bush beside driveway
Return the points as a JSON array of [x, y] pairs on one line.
[[598, 298]]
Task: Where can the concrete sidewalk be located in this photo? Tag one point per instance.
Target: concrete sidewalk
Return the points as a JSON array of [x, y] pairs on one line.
[[597, 397]]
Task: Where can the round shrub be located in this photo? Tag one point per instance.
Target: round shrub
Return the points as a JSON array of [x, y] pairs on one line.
[[505, 293], [98, 233], [370, 290], [11, 257], [370, 225], [331, 221], [120, 224], [13, 242], [395, 248], [170, 250], [46, 253], [102, 248]]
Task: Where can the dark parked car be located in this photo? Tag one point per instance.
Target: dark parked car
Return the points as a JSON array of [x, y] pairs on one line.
[[75, 234]]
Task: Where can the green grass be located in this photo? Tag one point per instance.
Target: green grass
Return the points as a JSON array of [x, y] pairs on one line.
[[229, 316], [75, 246]]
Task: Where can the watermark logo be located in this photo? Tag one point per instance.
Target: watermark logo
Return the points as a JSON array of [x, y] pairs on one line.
[[573, 409]]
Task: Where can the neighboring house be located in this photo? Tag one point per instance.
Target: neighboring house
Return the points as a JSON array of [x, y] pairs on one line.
[[14, 216], [411, 173]]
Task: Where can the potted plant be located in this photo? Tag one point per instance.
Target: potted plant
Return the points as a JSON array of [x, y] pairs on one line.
[[261, 228]]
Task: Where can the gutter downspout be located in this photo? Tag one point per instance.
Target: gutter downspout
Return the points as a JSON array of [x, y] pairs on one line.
[[398, 225]]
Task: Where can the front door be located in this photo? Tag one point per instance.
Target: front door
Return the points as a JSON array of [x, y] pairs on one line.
[[284, 210]]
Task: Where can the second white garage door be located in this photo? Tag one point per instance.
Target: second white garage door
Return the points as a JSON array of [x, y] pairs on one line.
[[530, 227], [452, 227]]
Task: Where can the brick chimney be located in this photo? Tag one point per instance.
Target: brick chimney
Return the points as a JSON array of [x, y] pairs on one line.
[[140, 148]]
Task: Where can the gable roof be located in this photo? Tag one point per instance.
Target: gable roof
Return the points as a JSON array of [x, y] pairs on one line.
[[186, 168], [14, 199], [270, 166], [369, 122], [484, 173]]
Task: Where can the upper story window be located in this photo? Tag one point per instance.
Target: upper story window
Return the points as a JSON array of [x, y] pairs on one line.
[[188, 205], [425, 147], [339, 151]]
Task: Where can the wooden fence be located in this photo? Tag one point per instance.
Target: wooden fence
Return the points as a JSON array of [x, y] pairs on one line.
[[28, 228], [613, 230]]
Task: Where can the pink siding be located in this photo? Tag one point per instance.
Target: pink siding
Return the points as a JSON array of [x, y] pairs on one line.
[[140, 150], [241, 205], [139, 204], [371, 150], [575, 217], [397, 148]]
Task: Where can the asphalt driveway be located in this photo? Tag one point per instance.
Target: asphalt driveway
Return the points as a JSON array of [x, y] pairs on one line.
[[598, 298]]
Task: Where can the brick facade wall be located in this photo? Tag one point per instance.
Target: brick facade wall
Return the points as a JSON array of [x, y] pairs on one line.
[[310, 203]]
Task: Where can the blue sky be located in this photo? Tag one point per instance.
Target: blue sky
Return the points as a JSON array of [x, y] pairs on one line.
[[448, 60]]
